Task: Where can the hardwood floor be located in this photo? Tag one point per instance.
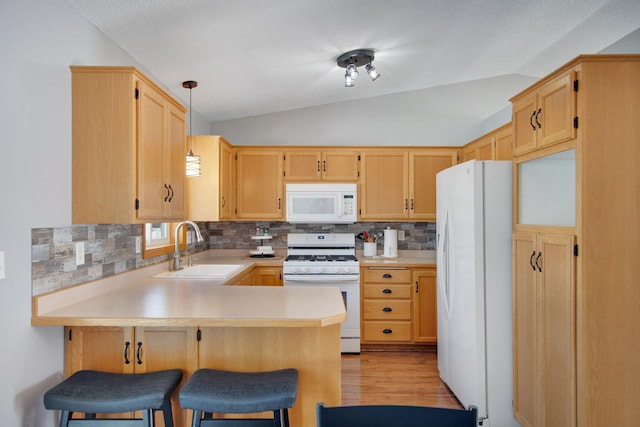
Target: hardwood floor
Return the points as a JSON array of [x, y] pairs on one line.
[[394, 378]]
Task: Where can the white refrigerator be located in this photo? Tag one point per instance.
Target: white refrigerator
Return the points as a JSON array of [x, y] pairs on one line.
[[475, 360]]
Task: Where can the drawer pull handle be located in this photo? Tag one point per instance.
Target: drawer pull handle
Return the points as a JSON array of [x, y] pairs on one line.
[[126, 353], [387, 331], [387, 310], [138, 351], [387, 291], [386, 276]]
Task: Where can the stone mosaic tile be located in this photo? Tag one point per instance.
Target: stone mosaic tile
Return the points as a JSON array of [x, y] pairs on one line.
[[110, 248]]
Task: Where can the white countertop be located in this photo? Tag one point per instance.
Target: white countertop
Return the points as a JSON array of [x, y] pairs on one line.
[[137, 299]]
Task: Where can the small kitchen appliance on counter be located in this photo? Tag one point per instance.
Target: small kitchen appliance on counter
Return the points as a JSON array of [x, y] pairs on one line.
[[328, 260]]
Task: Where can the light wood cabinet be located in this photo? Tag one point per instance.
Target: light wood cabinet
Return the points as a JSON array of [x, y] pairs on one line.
[[495, 145], [398, 305], [504, 143], [423, 167], [211, 197], [482, 148], [384, 188], [547, 115], [128, 149], [396, 185], [319, 165], [259, 185], [267, 276], [134, 350], [386, 305], [425, 316], [575, 354], [544, 329]]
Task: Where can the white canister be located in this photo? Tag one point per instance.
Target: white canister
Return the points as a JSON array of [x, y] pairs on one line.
[[390, 243], [370, 248]]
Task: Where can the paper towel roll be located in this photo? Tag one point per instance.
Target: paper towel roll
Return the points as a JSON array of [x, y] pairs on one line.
[[390, 243]]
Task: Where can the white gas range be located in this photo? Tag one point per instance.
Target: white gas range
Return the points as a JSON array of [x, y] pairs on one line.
[[328, 260]]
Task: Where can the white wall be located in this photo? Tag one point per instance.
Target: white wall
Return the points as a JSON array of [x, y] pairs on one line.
[[428, 117], [40, 39]]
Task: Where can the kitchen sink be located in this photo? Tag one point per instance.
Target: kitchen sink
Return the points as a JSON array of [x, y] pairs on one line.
[[203, 271]]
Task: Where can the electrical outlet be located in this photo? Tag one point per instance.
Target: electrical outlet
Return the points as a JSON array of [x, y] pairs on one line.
[[2, 273], [138, 244], [400, 234], [79, 253]]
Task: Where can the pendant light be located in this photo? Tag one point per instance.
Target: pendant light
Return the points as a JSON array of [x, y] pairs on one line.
[[193, 161]]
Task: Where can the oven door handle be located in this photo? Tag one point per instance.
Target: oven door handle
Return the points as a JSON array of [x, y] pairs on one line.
[[297, 279]]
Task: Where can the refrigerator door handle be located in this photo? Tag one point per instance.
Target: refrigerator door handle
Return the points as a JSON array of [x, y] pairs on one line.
[[444, 254]]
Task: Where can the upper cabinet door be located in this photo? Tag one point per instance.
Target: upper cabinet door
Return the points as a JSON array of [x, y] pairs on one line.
[[260, 185], [384, 189], [128, 148], [339, 165], [303, 165], [557, 105], [423, 167], [545, 116], [152, 187]]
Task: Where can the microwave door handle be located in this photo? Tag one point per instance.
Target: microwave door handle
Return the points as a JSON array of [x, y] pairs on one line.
[[341, 206]]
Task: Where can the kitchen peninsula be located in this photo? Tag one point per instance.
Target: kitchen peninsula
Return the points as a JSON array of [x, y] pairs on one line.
[[134, 322]]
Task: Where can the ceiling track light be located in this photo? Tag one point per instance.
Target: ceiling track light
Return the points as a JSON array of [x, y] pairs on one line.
[[193, 161], [353, 59]]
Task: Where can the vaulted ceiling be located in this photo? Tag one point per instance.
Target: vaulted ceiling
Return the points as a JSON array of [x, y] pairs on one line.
[[253, 57]]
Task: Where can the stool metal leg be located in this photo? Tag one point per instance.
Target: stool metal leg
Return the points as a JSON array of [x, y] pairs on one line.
[[64, 418], [167, 414], [197, 414], [147, 418]]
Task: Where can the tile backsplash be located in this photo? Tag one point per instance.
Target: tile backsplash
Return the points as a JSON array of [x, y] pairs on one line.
[[110, 249]]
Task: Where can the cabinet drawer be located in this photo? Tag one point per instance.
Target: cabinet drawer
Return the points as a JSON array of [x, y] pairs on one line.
[[386, 331], [387, 309], [387, 276], [380, 290]]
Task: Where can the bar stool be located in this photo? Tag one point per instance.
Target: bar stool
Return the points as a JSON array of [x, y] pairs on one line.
[[210, 391], [95, 392]]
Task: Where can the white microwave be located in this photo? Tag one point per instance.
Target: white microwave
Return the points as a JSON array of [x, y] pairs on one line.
[[322, 203]]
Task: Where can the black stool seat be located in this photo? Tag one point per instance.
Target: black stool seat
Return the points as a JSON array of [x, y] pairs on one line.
[[209, 391], [95, 392]]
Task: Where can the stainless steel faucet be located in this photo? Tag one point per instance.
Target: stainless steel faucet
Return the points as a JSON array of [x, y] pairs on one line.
[[176, 255]]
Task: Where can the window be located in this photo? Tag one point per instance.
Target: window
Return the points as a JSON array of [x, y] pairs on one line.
[[157, 234], [159, 239]]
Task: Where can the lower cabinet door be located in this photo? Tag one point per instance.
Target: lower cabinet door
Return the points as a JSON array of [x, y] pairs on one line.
[[134, 350]]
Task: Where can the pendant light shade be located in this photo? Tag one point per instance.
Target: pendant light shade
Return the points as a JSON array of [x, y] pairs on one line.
[[193, 161]]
